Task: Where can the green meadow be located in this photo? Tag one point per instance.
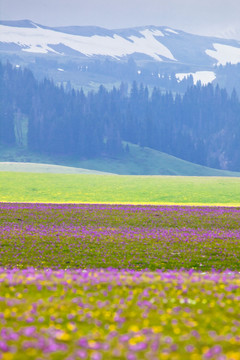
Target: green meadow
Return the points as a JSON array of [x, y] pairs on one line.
[[139, 161], [80, 188]]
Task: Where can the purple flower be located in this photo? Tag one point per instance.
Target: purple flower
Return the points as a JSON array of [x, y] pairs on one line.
[[138, 347], [3, 346]]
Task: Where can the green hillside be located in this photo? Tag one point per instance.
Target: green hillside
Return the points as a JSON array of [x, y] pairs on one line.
[[45, 168], [139, 161], [146, 161]]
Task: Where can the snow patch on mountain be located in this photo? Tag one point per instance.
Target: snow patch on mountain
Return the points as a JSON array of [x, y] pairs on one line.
[[171, 31], [205, 77], [39, 40], [150, 46], [157, 32], [38, 49], [224, 54]]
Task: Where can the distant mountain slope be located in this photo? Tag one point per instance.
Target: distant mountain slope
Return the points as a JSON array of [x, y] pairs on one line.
[[139, 161], [87, 56], [156, 43]]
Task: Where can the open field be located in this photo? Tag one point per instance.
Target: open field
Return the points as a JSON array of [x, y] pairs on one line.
[[61, 298], [30, 187], [119, 236]]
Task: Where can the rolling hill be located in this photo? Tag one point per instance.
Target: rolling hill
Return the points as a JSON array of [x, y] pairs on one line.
[[139, 161], [46, 168]]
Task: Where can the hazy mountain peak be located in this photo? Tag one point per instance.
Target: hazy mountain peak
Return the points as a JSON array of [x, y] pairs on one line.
[[155, 43]]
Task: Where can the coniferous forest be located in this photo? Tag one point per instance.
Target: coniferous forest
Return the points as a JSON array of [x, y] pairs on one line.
[[202, 125]]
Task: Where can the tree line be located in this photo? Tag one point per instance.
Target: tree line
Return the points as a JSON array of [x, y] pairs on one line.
[[201, 126]]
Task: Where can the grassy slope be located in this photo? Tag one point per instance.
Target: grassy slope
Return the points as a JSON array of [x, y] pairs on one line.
[[45, 168], [29, 187], [140, 161], [146, 161]]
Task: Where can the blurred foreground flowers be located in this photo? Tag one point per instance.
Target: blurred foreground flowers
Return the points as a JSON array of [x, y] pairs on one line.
[[126, 314]]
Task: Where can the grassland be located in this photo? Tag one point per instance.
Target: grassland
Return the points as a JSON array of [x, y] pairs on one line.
[[105, 315], [119, 236], [45, 168], [146, 161], [139, 161], [173, 293], [96, 282], [29, 187]]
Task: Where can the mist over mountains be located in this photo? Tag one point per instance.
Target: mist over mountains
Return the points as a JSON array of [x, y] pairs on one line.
[[158, 43], [87, 56], [202, 126], [88, 91]]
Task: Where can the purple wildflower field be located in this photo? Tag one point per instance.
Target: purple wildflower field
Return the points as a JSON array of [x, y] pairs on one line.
[[119, 282]]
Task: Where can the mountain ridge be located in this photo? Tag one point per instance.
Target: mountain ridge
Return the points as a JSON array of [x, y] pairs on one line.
[[31, 24], [160, 43], [89, 56]]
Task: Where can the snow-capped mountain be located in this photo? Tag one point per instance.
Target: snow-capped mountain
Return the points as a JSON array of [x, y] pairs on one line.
[[169, 49], [158, 43]]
